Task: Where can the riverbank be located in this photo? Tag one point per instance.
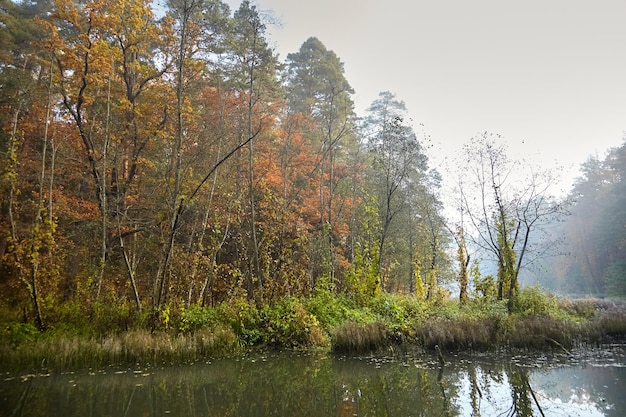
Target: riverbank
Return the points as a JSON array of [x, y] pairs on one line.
[[324, 321]]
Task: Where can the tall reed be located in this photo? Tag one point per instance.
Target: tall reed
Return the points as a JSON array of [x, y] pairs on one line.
[[61, 353]]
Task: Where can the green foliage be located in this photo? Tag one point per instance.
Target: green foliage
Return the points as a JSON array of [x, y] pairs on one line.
[[399, 313], [420, 288], [388, 308], [196, 317], [289, 324], [363, 276], [19, 334], [463, 259], [346, 324], [507, 280], [485, 287], [485, 308], [116, 315], [534, 301], [245, 319], [332, 310]]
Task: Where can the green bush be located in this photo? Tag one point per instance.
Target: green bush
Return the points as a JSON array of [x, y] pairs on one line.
[[244, 318], [113, 315], [196, 317], [479, 308], [389, 308], [289, 324], [326, 307], [534, 301], [18, 334], [331, 310]]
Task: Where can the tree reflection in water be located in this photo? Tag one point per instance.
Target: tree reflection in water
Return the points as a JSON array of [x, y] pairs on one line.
[[324, 385]]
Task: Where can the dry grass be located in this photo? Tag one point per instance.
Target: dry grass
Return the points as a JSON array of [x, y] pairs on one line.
[[543, 332], [356, 338], [138, 346], [461, 333]]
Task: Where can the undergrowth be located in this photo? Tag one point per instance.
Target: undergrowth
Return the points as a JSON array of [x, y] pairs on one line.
[[337, 322]]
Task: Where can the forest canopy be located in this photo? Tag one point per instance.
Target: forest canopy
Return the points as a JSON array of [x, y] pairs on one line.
[[158, 162]]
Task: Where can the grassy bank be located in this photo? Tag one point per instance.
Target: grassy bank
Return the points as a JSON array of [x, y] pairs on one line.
[[324, 321]]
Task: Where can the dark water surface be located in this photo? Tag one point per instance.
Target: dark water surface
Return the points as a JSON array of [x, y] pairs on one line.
[[592, 383]]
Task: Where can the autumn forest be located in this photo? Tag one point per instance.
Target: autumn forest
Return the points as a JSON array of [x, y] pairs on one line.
[[155, 160]]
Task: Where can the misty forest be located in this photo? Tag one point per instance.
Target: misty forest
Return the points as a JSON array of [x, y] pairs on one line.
[[161, 168]]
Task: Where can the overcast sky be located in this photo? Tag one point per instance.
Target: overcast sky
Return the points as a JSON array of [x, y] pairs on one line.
[[548, 75]]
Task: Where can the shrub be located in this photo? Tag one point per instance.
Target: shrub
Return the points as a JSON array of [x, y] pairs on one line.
[[400, 313], [113, 315], [196, 317], [327, 307], [485, 308], [244, 319], [17, 334], [533, 300], [289, 324], [389, 309]]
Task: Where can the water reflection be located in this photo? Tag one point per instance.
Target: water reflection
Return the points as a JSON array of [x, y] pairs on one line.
[[324, 385]]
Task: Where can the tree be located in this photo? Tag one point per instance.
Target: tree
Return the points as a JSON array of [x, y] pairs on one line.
[[27, 229], [463, 258], [186, 15], [457, 231], [316, 86], [399, 169], [254, 74], [507, 203], [200, 29], [593, 235], [430, 232], [108, 81]]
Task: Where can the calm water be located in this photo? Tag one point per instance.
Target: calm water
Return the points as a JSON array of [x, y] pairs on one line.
[[286, 384]]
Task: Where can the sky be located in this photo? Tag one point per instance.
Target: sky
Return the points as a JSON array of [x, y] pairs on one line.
[[547, 75]]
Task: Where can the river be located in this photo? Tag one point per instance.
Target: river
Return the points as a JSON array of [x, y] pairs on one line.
[[589, 383]]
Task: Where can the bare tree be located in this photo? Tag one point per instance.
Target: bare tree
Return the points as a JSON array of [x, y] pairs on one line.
[[508, 202]]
